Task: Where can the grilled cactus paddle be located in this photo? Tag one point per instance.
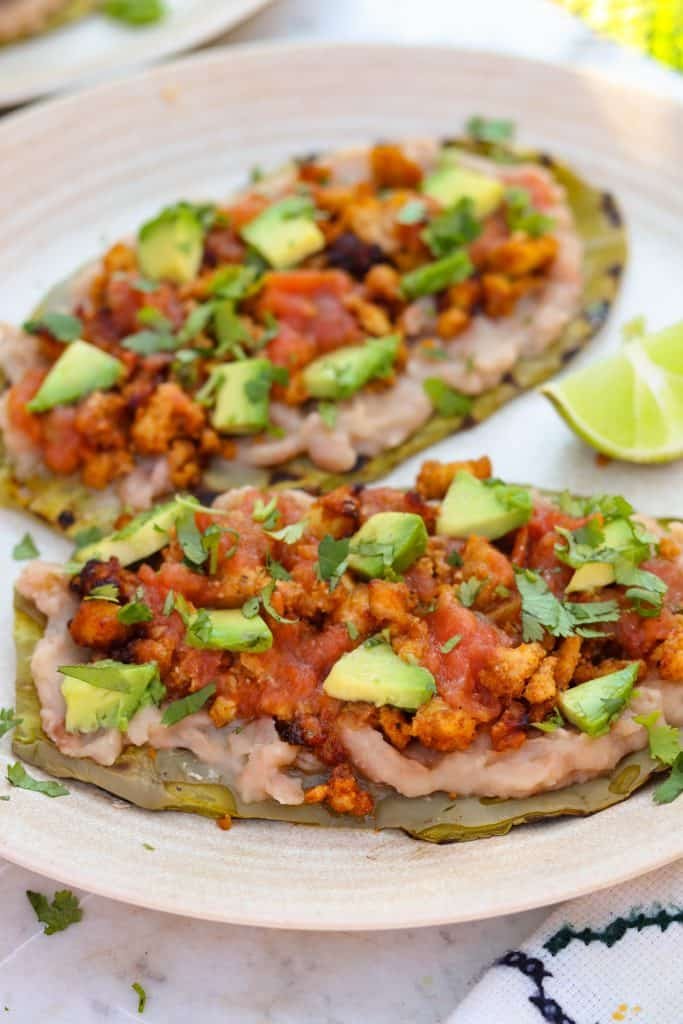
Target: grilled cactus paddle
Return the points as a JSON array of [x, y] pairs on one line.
[[167, 781], [70, 506]]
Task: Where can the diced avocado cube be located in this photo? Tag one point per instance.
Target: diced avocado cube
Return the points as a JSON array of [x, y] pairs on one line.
[[144, 535], [450, 183], [285, 233], [487, 508], [228, 630], [343, 372], [592, 705], [387, 544], [80, 369], [171, 246], [106, 694], [374, 673], [242, 396], [593, 575]]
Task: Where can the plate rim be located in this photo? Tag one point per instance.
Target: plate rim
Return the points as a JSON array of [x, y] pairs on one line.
[[24, 119], [218, 21]]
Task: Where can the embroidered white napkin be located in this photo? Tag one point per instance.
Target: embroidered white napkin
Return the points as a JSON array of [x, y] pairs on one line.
[[615, 957]]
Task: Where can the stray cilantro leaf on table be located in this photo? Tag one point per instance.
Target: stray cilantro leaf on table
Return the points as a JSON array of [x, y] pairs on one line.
[[19, 777], [57, 915], [141, 994]]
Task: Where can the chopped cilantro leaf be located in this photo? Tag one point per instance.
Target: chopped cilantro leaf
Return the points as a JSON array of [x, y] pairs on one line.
[[250, 607], [189, 705], [142, 996], [19, 777], [266, 514], [550, 724], [490, 129], [25, 549], [502, 591], [235, 282], [450, 644], [435, 277], [257, 388], [61, 326], [271, 329], [452, 229], [169, 603], [211, 539], [523, 216], [352, 630], [57, 915], [542, 611], [454, 558], [199, 628], [664, 740], [412, 212], [150, 316], [276, 570], [266, 595], [88, 535], [332, 559], [445, 399], [610, 506], [190, 540], [289, 534], [196, 322], [136, 610], [148, 846], [673, 786], [105, 592], [468, 590], [8, 720], [146, 343]]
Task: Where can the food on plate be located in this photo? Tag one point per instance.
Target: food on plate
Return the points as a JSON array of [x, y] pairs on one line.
[[630, 405], [329, 321], [20, 19], [451, 660]]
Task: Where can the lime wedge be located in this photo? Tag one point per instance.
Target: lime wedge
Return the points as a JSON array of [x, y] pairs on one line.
[[629, 406]]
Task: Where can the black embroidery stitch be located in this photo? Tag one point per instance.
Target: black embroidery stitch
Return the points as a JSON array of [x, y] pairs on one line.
[[615, 930], [549, 1009]]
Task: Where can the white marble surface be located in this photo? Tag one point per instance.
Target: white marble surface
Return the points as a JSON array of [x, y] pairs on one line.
[[198, 971]]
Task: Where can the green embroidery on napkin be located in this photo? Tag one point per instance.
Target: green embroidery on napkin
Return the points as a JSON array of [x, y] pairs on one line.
[[616, 929]]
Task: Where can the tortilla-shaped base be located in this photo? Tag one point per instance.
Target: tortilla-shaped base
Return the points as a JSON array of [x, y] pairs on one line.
[[167, 781], [67, 504]]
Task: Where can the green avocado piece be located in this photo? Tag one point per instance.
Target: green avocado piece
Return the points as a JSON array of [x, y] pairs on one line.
[[592, 705], [285, 233], [106, 694], [594, 575], [228, 630], [374, 673], [80, 369], [147, 533], [450, 183], [171, 246], [487, 508], [242, 392], [343, 372], [388, 543]]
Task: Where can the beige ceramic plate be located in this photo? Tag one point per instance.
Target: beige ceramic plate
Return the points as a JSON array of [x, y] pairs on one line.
[[94, 47], [79, 172]]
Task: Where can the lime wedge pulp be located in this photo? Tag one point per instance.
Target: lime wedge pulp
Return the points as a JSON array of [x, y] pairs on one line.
[[629, 406]]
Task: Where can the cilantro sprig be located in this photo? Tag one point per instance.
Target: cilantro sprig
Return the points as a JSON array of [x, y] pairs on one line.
[[543, 612]]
